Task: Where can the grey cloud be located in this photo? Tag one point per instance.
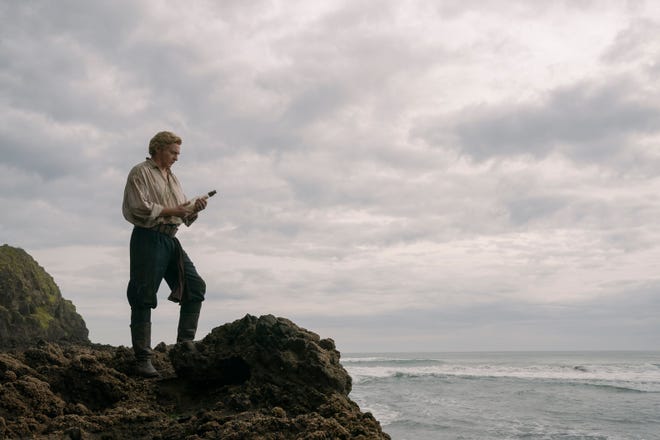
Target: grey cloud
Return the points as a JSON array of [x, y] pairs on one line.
[[325, 68], [636, 43], [57, 221], [586, 122], [313, 104], [523, 210], [298, 115], [37, 146], [458, 8], [618, 219], [55, 58], [351, 58], [102, 23], [88, 63]]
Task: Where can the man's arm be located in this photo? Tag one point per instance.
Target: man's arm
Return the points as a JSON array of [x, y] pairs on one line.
[[137, 206], [177, 211], [183, 211]]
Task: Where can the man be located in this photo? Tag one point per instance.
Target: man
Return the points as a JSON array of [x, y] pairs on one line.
[[155, 204]]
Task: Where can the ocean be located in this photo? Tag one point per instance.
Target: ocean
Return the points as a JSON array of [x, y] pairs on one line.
[[510, 395]]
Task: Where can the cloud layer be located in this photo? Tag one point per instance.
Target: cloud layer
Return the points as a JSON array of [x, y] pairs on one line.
[[395, 175]]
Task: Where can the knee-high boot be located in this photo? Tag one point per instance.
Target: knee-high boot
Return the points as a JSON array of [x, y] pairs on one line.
[[141, 339], [188, 319]]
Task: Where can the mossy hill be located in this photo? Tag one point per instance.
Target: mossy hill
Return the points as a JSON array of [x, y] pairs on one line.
[[31, 305]]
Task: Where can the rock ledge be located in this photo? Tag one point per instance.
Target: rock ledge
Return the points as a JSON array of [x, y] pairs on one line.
[[255, 378]]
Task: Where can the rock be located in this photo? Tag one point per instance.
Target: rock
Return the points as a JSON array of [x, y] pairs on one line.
[[255, 378], [288, 375], [31, 305], [283, 363]]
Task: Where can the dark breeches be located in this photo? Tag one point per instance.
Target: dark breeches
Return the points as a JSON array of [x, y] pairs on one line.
[[155, 256]]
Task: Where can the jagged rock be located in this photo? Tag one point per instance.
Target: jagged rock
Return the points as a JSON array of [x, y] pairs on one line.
[[288, 375], [31, 305], [272, 357], [255, 378]]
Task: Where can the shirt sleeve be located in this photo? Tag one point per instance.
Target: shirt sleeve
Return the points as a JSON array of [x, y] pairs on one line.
[[138, 206]]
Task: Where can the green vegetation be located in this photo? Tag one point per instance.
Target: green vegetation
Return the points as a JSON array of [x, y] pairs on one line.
[[31, 305], [28, 275], [44, 318]]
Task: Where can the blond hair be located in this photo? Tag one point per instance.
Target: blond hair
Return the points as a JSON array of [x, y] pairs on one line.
[[161, 140]]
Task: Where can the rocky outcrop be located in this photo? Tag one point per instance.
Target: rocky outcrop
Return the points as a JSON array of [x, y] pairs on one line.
[[255, 378], [31, 305], [270, 366], [270, 351]]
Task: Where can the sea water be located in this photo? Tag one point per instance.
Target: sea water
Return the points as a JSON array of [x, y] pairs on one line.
[[510, 395]]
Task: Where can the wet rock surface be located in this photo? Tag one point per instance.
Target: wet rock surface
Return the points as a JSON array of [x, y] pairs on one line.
[[255, 378]]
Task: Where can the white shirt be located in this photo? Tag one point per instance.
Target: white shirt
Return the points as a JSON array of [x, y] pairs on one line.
[[148, 192]]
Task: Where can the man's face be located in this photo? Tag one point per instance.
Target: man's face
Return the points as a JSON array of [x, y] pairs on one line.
[[167, 156]]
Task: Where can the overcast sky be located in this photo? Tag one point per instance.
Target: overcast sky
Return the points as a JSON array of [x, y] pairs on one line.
[[396, 175]]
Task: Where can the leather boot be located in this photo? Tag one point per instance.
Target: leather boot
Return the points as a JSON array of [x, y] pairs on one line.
[[141, 338], [188, 319]]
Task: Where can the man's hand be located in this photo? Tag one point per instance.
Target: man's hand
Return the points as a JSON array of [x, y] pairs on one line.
[[184, 210], [200, 204]]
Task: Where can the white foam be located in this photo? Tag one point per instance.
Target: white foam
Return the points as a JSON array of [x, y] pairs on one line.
[[383, 413], [643, 377]]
